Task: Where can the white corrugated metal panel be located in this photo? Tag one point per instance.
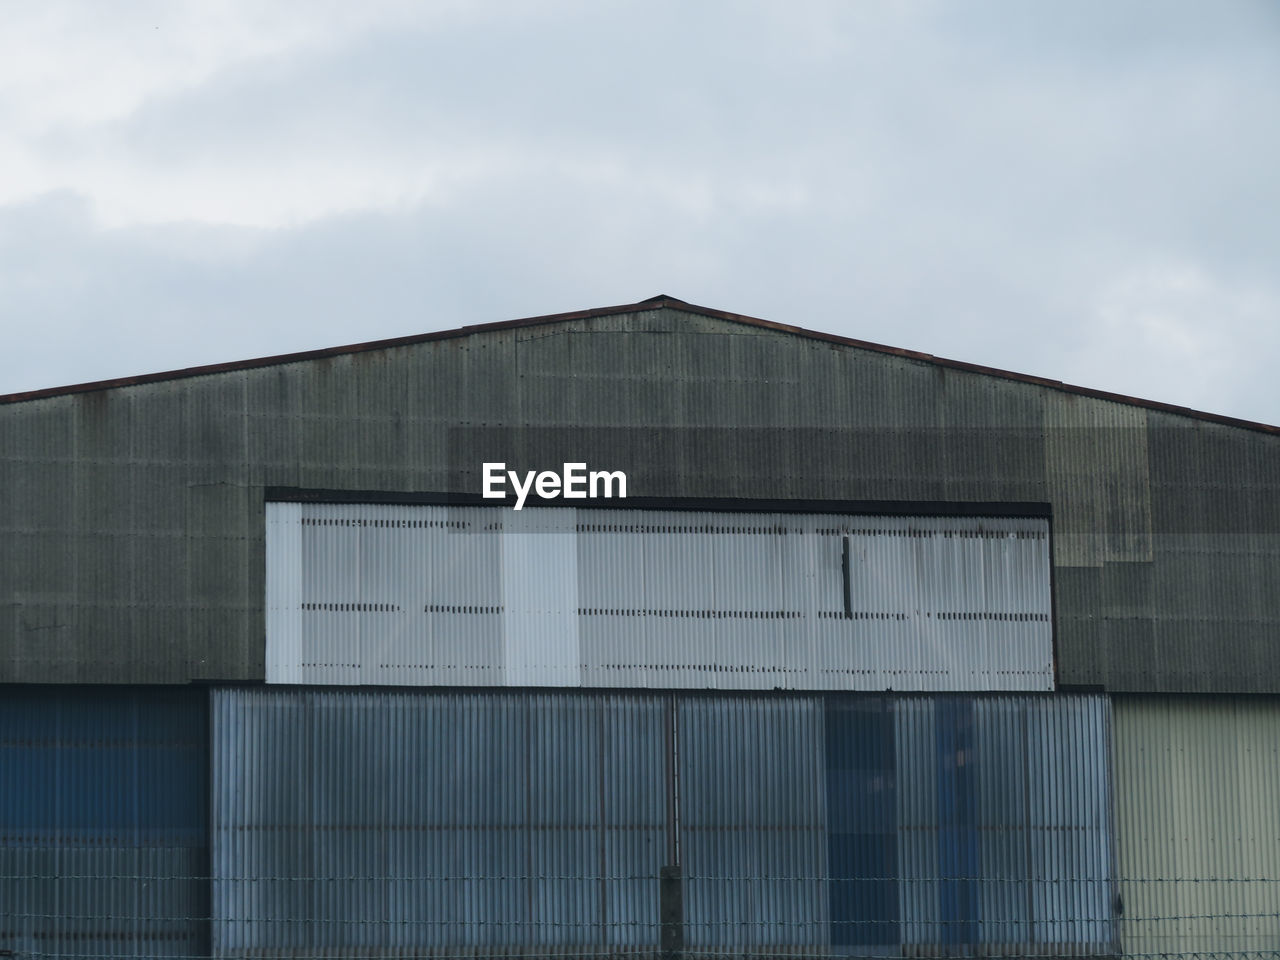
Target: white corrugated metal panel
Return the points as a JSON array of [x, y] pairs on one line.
[[1198, 828], [434, 595], [284, 591], [540, 599]]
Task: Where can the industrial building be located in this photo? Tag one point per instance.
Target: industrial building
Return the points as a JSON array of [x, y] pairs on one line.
[[880, 655]]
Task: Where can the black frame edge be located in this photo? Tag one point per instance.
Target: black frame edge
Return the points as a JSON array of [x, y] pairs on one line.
[[908, 508]]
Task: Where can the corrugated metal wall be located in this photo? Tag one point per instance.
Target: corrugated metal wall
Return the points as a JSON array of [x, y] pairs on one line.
[[131, 533], [103, 846], [1198, 810], [1005, 823], [753, 824], [384, 823], [433, 595]]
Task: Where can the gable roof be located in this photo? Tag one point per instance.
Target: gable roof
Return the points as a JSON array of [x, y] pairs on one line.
[[652, 303]]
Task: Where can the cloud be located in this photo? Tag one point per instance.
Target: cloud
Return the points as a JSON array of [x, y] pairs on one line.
[[1012, 189], [1214, 334]]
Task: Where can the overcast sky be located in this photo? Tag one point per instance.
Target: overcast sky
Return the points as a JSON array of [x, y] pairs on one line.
[[1083, 191]]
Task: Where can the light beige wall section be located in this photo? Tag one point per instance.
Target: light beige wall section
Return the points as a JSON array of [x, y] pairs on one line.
[[1096, 463], [1198, 823]]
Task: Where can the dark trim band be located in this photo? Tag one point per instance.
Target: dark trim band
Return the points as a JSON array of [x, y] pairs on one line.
[[889, 508]]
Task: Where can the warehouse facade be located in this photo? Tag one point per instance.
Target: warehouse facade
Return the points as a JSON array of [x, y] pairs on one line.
[[882, 655]]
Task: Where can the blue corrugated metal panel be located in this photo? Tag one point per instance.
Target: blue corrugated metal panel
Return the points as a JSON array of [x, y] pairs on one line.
[[957, 823], [862, 844], [1004, 823], [753, 841], [999, 778], [103, 822], [438, 822], [391, 822], [1070, 819]]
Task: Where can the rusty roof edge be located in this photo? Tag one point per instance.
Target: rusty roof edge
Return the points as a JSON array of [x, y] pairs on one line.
[[320, 354], [653, 303]]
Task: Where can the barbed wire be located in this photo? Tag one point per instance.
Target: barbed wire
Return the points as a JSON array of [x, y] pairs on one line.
[[624, 878], [1042, 898], [1038, 920], [650, 952]]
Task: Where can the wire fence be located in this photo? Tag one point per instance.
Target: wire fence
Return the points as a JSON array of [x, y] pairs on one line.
[[674, 915], [650, 954]]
